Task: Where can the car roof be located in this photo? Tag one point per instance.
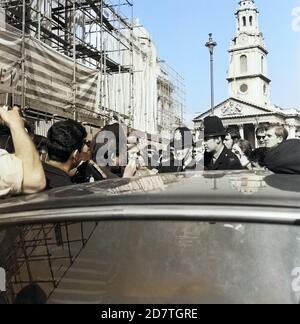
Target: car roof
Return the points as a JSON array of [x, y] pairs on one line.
[[215, 188]]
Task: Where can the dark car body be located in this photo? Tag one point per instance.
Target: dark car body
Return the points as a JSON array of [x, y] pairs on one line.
[[174, 238]]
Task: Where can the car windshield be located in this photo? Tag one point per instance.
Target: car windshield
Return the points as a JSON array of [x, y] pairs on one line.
[[151, 262]]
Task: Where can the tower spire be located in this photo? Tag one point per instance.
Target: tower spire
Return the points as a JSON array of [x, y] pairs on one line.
[[247, 75], [247, 16]]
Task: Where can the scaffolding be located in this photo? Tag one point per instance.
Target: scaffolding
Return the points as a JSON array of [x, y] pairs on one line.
[[93, 33], [41, 255], [102, 66], [171, 98]]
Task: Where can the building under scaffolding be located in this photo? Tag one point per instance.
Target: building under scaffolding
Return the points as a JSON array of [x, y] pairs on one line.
[[171, 98], [88, 60]]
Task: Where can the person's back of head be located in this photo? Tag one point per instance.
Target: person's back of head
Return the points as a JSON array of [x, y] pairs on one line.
[[115, 128], [235, 135], [257, 157], [63, 139], [183, 138], [245, 147], [114, 137], [121, 137], [32, 294], [181, 131]]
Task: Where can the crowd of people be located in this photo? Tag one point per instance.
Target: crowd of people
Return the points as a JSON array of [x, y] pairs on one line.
[[30, 163]]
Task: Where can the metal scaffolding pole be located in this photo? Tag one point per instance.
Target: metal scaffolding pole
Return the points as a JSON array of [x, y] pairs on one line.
[[101, 59], [54, 23], [74, 85], [23, 96], [132, 89]]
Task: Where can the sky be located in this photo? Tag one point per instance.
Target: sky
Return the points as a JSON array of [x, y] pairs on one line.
[[180, 30]]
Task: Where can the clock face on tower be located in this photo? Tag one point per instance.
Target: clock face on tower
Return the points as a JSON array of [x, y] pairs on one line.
[[244, 88]]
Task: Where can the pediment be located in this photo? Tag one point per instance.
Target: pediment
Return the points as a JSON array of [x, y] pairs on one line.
[[236, 108]]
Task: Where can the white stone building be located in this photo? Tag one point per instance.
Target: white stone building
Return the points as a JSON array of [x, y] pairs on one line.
[[93, 62], [249, 103]]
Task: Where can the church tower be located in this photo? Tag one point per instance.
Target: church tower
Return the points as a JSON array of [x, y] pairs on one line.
[[247, 75]]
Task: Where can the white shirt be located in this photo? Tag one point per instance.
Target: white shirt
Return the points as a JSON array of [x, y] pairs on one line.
[[11, 174]]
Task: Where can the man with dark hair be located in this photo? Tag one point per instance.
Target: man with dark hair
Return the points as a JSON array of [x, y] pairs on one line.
[[232, 137], [65, 141], [180, 151], [257, 158], [183, 150], [275, 135], [217, 156]]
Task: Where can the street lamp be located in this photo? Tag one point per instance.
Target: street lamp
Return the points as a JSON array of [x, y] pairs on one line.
[[211, 45]]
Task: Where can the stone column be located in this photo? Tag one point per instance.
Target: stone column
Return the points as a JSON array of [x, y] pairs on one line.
[[242, 133], [292, 132], [256, 141], [291, 127]]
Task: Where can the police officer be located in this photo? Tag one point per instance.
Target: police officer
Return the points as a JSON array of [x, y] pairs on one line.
[[217, 156]]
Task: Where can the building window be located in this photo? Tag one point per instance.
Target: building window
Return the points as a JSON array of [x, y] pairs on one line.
[[265, 89], [251, 21], [244, 64], [244, 88], [262, 64], [244, 21]]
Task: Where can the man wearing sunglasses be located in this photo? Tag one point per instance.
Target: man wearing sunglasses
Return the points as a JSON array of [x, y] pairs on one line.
[[261, 135]]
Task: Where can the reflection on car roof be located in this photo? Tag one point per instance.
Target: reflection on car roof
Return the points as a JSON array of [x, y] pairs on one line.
[[245, 188]]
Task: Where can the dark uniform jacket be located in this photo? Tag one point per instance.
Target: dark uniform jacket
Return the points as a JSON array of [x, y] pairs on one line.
[[173, 166], [85, 172], [226, 161]]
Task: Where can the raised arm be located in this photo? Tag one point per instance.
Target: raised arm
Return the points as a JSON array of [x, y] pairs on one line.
[[33, 173]]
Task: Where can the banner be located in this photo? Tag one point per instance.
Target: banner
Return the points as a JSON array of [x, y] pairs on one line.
[[49, 76], [10, 61]]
